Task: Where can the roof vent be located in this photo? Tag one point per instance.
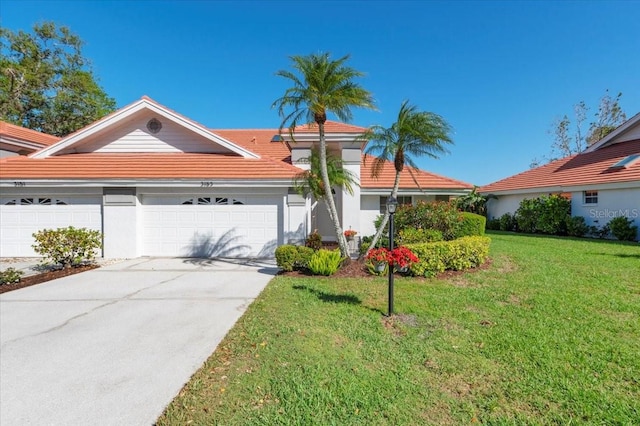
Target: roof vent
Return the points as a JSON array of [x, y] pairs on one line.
[[154, 126], [626, 162]]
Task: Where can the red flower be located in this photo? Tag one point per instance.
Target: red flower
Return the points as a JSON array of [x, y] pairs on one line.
[[402, 257], [350, 233], [377, 255]]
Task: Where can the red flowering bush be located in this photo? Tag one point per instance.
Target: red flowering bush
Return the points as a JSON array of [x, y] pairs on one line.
[[402, 257]]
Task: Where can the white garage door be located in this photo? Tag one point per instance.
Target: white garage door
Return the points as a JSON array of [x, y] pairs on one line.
[[21, 216], [209, 226]]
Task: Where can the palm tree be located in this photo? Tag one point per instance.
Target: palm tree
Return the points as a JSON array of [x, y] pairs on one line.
[[321, 86], [310, 181], [414, 134]]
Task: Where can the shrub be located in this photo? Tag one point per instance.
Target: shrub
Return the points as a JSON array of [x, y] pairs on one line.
[[293, 258], [472, 224], [463, 253], [67, 246], [623, 228], [598, 232], [545, 214], [493, 224], [314, 240], [286, 257], [302, 260], [325, 262], [507, 222], [412, 235], [577, 227], [526, 217], [441, 216], [10, 276], [553, 213]]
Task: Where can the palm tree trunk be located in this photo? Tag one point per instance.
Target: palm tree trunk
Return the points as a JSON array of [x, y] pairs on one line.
[[328, 198], [385, 219]]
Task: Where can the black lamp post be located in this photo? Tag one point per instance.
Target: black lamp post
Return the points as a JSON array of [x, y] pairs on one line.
[[392, 203]]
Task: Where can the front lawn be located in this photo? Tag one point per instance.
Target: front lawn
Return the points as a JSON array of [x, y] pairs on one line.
[[548, 334]]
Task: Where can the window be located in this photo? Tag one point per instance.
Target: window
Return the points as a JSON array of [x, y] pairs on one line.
[[40, 201], [402, 200], [211, 200], [590, 197]]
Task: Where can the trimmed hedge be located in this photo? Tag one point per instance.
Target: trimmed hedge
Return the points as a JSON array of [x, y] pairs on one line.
[[472, 224], [463, 253], [290, 257]]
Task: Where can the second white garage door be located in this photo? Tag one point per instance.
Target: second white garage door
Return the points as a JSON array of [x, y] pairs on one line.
[[209, 226]]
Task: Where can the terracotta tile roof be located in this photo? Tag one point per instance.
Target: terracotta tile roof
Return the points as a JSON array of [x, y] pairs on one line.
[[587, 168], [22, 133], [330, 127], [386, 178], [144, 166], [258, 141]]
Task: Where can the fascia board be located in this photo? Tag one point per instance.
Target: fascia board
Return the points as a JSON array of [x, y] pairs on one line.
[[160, 183], [21, 143], [385, 191], [618, 131], [569, 188]]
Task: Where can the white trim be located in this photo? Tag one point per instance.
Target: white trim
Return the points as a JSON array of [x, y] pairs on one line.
[[618, 131], [122, 114], [173, 183], [410, 192], [575, 188], [309, 137], [21, 143]]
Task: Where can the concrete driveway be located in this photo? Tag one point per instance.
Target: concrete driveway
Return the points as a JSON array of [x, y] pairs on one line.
[[113, 346]]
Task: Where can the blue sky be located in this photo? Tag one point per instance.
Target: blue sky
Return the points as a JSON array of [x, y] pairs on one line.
[[498, 72]]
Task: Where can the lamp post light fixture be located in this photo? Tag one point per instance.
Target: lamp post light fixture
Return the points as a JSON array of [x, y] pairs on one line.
[[392, 204]]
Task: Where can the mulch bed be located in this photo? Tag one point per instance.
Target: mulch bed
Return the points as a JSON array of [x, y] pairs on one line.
[[45, 276]]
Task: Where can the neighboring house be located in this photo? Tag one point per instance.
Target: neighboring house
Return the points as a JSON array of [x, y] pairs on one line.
[[16, 140], [158, 184], [603, 181]]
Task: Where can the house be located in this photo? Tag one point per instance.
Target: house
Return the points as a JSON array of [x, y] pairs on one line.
[[603, 181], [16, 140], [156, 183]]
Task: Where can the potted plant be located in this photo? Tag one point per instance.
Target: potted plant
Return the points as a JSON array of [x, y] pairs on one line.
[[377, 259], [402, 258], [350, 234]]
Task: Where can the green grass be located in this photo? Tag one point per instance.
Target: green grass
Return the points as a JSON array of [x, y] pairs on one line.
[[548, 334]]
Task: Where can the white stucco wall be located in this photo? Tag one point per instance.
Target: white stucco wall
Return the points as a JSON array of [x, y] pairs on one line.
[[496, 207], [611, 203], [369, 211]]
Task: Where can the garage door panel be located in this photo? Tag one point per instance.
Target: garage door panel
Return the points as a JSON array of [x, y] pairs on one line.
[[18, 222], [223, 230]]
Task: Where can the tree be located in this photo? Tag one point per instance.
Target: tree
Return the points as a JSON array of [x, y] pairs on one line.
[[565, 142], [320, 86], [45, 82], [310, 181], [414, 134]]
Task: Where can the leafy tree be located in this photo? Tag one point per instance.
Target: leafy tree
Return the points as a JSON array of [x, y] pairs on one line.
[[567, 142], [45, 82], [320, 86], [310, 181], [414, 134]]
